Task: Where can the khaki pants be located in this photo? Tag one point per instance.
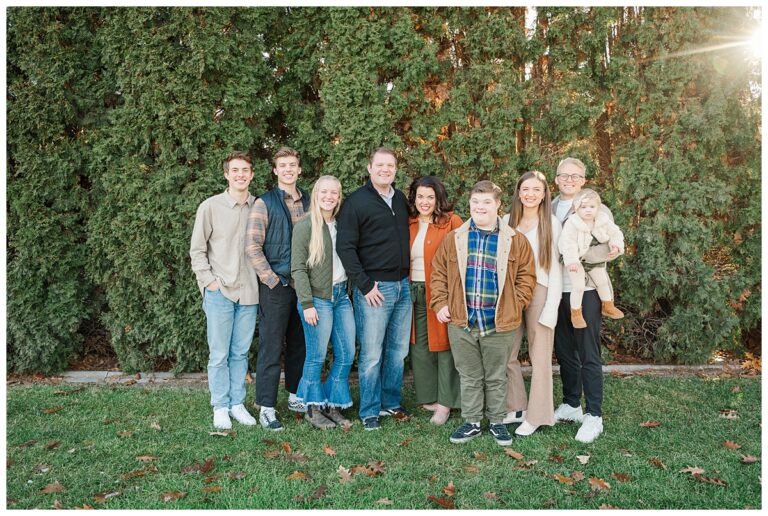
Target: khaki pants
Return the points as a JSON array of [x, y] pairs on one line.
[[481, 362], [600, 278], [540, 407]]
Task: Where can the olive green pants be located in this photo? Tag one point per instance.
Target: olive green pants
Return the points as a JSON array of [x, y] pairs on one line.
[[482, 366], [434, 375]]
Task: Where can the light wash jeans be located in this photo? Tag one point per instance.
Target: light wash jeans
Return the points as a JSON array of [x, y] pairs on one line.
[[384, 333], [230, 333], [336, 323]]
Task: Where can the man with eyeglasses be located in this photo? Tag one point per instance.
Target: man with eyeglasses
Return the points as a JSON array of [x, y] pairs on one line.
[[578, 349]]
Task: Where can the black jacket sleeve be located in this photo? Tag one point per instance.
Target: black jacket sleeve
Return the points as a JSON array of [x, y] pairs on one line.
[[347, 242]]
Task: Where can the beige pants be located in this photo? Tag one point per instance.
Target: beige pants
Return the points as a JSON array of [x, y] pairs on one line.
[[540, 407], [600, 278]]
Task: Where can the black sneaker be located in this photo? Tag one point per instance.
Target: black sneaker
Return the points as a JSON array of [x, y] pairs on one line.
[[465, 432], [398, 413], [371, 423], [501, 434]]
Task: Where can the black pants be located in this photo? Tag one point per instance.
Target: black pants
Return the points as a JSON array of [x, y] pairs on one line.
[[578, 353], [279, 324]]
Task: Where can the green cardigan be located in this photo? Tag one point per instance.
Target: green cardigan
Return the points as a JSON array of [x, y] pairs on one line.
[[317, 281]]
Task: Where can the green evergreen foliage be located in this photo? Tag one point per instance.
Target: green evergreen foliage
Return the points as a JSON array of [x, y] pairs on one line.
[[118, 120]]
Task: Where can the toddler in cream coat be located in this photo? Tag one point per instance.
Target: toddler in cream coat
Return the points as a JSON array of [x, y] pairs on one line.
[[588, 225]]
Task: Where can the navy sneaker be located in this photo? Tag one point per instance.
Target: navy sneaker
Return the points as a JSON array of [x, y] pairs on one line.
[[465, 432], [501, 434], [371, 423], [398, 413]]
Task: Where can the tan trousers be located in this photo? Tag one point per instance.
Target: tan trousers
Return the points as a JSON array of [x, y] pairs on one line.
[[540, 407], [600, 278]]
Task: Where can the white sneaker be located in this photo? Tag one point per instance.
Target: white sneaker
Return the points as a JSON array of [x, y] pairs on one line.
[[221, 418], [514, 417], [525, 429], [241, 415], [567, 413], [590, 429]]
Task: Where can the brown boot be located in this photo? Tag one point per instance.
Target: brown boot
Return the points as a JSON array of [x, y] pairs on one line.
[[577, 319], [610, 310], [316, 418]]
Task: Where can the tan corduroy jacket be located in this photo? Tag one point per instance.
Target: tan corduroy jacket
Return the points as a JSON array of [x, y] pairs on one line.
[[514, 263]]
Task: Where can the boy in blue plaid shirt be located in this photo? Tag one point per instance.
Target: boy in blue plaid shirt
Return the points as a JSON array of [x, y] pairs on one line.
[[482, 279]]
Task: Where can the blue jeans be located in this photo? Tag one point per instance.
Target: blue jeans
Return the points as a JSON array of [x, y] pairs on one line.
[[384, 333], [230, 333], [335, 322]]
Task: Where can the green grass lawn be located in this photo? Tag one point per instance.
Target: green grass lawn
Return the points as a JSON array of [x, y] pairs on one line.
[[90, 447]]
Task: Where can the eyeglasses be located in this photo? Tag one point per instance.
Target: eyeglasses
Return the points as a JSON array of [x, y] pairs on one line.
[[570, 177]]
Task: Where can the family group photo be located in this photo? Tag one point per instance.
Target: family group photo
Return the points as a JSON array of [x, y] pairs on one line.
[[376, 258]]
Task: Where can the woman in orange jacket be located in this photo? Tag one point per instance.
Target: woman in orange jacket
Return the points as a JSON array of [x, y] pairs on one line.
[[434, 375]]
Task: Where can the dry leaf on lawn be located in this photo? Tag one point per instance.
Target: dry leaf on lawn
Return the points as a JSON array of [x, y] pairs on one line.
[[298, 457], [583, 458], [384, 501], [125, 433], [212, 489], [377, 466], [621, 477], [563, 479], [53, 488], [729, 414], [132, 474], [711, 480], [287, 447], [471, 468], [212, 478], [442, 501], [155, 425], [52, 445], [605, 506], [731, 445], [599, 484], [106, 495], [146, 458], [490, 495], [52, 410], [450, 489], [236, 475], [650, 424], [344, 474], [514, 454], [42, 468], [748, 459], [480, 455], [329, 451], [27, 444], [694, 470], [655, 461], [171, 496], [577, 476], [319, 492], [406, 442], [296, 475], [346, 426], [207, 466], [556, 458], [269, 442], [271, 454]]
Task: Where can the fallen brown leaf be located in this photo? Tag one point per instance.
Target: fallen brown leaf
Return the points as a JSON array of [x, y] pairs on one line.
[[52, 410], [236, 475], [549, 502], [490, 495], [406, 442], [42, 468], [433, 479], [694, 470], [650, 424], [319, 492], [525, 464], [85, 507], [53, 488], [172, 496], [125, 433], [132, 474], [287, 448], [711, 480], [207, 466], [729, 414], [624, 452], [584, 459], [471, 468], [106, 495], [346, 426], [211, 489], [146, 458], [211, 479], [155, 425], [446, 503], [329, 451], [27, 444], [298, 457], [52, 445], [514, 454], [271, 454], [655, 461], [9, 463], [605, 506], [269, 442], [400, 417], [296, 475], [731, 445], [748, 459], [227, 458], [621, 477], [111, 420], [377, 466], [480, 455], [67, 393], [450, 489], [344, 474], [556, 458], [383, 501], [57, 505], [577, 476], [599, 484], [563, 479]]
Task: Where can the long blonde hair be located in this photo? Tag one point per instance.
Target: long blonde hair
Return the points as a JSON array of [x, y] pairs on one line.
[[544, 231], [316, 243]]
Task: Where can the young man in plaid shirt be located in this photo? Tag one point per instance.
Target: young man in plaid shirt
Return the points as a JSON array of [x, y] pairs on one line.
[[482, 279]]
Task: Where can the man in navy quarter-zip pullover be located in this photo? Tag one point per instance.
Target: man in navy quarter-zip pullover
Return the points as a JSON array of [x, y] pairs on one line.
[[373, 245]]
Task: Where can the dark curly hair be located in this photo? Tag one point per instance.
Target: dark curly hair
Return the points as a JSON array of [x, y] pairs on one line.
[[442, 206]]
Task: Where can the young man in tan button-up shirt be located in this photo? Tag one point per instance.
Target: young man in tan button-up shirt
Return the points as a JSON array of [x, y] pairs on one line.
[[229, 287]]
